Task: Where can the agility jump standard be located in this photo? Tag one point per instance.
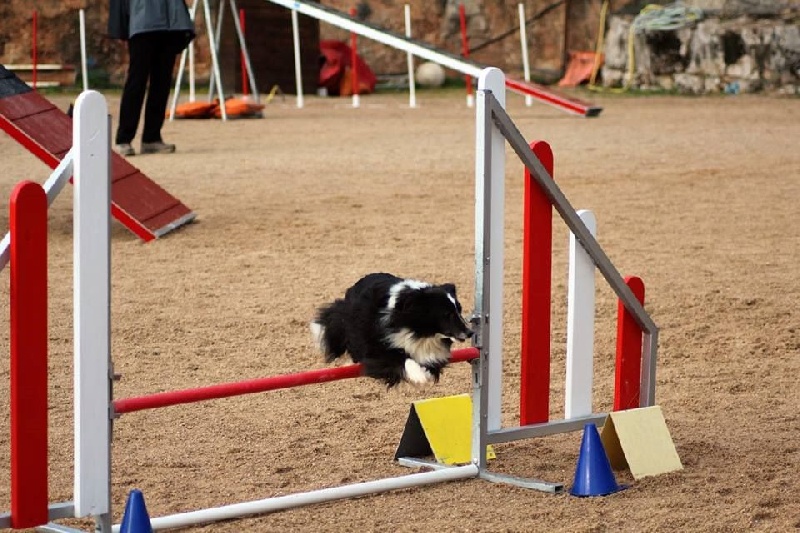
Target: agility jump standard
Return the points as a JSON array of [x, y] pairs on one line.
[[93, 398]]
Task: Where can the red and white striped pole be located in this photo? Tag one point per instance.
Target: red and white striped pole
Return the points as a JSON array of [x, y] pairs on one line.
[[34, 46], [462, 16], [354, 62], [28, 294], [243, 61]]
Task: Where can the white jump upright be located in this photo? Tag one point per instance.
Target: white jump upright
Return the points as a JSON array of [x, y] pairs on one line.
[[412, 89], [580, 325], [298, 69], [92, 301]]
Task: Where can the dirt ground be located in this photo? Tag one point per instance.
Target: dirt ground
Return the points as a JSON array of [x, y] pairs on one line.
[[697, 196]]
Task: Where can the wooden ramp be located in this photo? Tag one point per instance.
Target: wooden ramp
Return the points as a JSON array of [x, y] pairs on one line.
[[136, 201]]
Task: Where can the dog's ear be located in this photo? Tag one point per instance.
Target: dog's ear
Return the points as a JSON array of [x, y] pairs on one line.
[[450, 289]]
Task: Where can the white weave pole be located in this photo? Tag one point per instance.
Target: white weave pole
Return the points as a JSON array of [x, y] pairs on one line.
[[92, 301], [523, 42], [298, 72], [580, 325], [412, 90], [82, 28]]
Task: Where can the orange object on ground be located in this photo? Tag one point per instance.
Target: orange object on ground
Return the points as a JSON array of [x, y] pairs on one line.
[[238, 108], [195, 110], [579, 68]]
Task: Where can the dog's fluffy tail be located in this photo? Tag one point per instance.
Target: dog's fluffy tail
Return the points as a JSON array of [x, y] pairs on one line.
[[328, 330]]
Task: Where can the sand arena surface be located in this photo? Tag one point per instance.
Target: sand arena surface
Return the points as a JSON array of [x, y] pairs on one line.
[[697, 196]]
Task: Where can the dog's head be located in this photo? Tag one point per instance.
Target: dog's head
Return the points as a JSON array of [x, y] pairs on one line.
[[431, 311]]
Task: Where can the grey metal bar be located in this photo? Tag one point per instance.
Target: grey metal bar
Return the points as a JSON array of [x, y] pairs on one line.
[[55, 511], [544, 429], [57, 528], [570, 217], [525, 483], [413, 462], [480, 367]]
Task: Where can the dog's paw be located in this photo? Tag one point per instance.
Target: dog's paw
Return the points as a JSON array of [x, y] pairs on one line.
[[318, 336], [417, 374]]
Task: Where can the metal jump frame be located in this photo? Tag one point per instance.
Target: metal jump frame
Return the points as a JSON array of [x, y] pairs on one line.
[[94, 375]]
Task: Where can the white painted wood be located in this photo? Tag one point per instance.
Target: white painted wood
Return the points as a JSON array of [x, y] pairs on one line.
[[580, 325], [493, 80], [412, 88], [523, 42], [92, 324], [289, 501], [298, 71], [52, 186], [376, 35]]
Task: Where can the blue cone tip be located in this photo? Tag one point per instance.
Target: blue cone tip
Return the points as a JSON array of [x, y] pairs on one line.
[[135, 519], [593, 475]]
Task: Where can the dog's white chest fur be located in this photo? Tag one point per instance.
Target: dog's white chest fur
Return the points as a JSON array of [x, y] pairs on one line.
[[426, 350]]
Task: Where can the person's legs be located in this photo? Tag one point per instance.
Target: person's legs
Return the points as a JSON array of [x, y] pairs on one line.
[[130, 107], [162, 63]]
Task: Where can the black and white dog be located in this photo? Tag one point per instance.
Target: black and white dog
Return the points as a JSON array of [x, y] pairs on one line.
[[398, 329]]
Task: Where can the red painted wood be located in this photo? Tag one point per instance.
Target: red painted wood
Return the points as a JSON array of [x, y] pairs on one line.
[[28, 295], [628, 372], [137, 202], [573, 105], [226, 390], [534, 401]]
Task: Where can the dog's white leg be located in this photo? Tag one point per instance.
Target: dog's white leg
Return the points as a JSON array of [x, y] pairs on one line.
[[417, 374], [318, 336]]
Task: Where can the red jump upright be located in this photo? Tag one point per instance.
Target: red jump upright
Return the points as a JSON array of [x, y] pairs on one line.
[[136, 201], [28, 297]]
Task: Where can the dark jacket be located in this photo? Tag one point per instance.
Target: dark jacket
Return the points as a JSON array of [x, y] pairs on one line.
[[127, 18]]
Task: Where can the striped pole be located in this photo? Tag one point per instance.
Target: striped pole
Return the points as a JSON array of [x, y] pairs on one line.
[[238, 388], [28, 295], [534, 401], [354, 62], [462, 18]]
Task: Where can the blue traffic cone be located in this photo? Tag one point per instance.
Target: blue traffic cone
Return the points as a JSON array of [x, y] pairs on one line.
[[593, 476], [135, 519]]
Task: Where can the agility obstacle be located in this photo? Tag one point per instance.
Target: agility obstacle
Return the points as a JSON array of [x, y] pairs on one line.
[[138, 202], [94, 404], [421, 49]]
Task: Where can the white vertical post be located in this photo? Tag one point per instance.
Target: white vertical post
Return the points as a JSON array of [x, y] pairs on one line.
[[298, 73], [82, 28], [412, 89], [523, 41], [580, 325], [92, 287], [491, 256], [191, 72], [213, 40]]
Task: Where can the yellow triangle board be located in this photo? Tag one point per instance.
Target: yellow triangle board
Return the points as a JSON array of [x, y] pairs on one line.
[[639, 440], [441, 427]]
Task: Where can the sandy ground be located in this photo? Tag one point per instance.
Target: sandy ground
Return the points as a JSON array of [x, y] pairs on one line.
[[697, 196]]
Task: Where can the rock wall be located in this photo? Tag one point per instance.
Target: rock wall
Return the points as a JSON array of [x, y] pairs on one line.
[[716, 54]]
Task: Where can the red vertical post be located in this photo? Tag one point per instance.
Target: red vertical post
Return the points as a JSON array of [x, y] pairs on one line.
[[628, 372], [354, 56], [34, 46], [245, 87], [534, 396], [462, 17], [28, 292]]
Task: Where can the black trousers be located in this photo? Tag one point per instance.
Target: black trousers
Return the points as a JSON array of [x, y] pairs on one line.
[[151, 60]]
